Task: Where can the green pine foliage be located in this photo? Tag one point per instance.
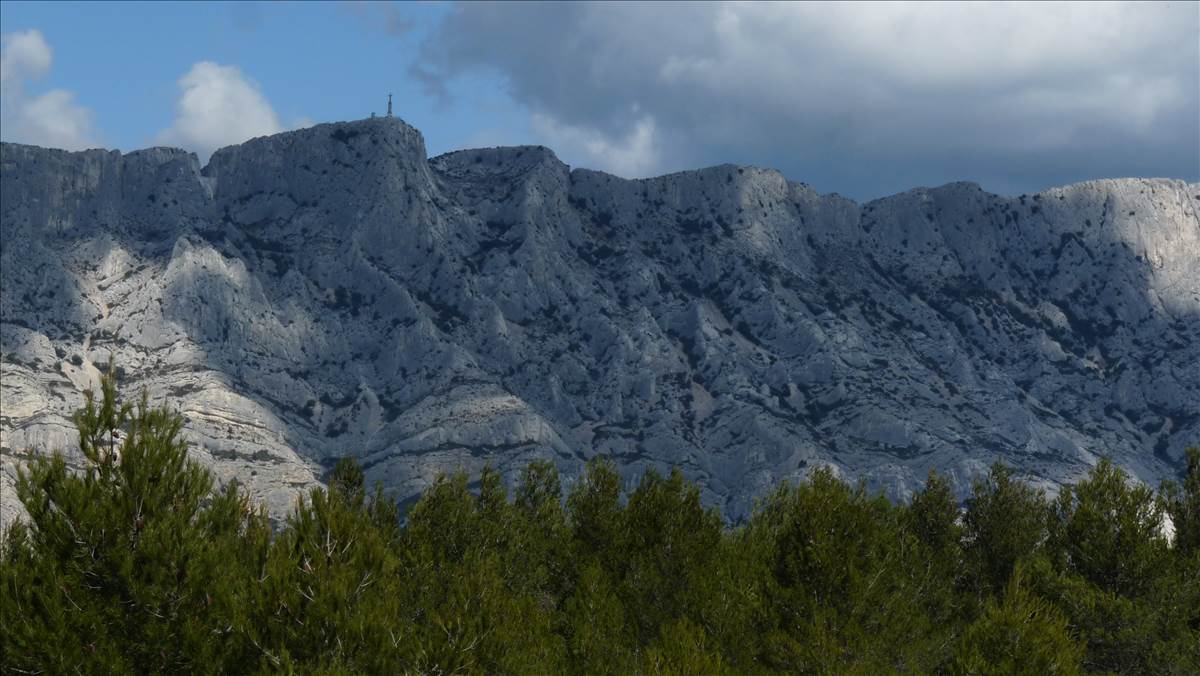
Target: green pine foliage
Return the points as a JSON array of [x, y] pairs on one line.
[[1117, 579], [1018, 633], [123, 564], [1006, 522], [1183, 505], [131, 561]]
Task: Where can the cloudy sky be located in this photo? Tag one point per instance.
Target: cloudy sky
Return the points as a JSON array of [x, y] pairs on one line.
[[858, 98]]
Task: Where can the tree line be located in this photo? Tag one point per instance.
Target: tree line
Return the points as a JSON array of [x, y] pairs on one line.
[[138, 564]]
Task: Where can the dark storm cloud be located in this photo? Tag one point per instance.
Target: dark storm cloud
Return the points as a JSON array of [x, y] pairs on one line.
[[864, 99]]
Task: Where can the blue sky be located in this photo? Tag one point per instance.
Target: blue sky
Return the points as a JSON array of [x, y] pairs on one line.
[[312, 61], [861, 99]]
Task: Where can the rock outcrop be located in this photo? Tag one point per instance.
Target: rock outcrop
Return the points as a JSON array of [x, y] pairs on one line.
[[330, 292]]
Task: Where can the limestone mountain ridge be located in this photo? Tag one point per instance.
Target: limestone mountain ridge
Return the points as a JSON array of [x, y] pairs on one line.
[[331, 291]]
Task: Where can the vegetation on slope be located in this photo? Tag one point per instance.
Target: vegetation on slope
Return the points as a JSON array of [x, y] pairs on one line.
[[139, 565]]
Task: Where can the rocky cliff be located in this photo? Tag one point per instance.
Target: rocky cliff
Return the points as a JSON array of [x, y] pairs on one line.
[[331, 292]]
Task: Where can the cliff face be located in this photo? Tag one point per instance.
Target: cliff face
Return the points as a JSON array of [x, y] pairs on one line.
[[331, 292]]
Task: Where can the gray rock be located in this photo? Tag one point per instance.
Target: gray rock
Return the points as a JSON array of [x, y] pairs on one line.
[[330, 292]]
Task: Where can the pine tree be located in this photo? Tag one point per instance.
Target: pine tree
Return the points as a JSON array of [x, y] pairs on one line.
[[1111, 531], [114, 571], [326, 595], [1179, 606], [1006, 522], [1116, 581], [539, 552], [595, 514], [1018, 634], [669, 543], [465, 588], [933, 518], [600, 638], [841, 581], [1183, 505]]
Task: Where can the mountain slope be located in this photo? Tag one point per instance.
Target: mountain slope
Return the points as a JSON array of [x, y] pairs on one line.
[[331, 292]]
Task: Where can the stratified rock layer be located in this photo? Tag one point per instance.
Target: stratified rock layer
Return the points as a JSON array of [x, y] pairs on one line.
[[331, 292]]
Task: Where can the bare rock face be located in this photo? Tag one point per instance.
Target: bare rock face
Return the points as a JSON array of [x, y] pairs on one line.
[[331, 292]]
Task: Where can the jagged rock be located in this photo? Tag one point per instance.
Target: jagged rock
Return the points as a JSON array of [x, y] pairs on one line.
[[331, 292]]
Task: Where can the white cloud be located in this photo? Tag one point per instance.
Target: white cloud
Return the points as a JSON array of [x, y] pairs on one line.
[[52, 119], [25, 56], [865, 98], [219, 106], [1045, 63], [635, 155]]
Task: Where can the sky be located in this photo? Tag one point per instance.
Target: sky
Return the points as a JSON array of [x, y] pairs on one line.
[[864, 99]]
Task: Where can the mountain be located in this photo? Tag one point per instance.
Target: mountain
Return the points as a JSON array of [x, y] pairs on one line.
[[331, 291]]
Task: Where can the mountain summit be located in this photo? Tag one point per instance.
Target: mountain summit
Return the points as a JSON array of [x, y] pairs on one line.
[[331, 292]]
